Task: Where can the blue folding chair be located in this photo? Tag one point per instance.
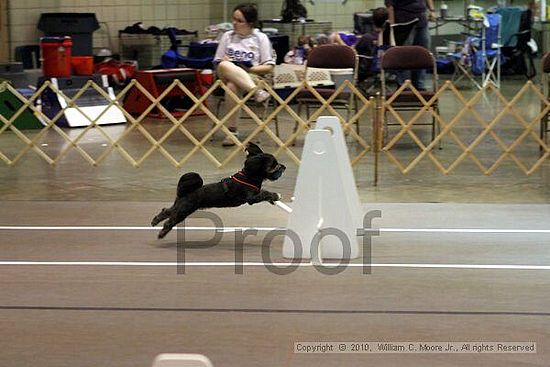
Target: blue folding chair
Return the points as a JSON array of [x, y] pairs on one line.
[[489, 57], [481, 54]]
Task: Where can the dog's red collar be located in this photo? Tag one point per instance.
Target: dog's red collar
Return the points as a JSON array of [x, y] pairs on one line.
[[242, 181]]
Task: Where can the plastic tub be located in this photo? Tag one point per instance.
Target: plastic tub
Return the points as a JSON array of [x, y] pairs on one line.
[[83, 65], [339, 76]]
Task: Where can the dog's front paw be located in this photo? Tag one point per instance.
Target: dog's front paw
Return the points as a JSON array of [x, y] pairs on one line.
[[274, 197]]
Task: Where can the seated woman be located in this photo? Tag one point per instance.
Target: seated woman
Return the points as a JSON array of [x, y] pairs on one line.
[[243, 54]]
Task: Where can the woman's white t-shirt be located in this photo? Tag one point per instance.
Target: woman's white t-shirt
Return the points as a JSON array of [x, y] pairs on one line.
[[254, 49]]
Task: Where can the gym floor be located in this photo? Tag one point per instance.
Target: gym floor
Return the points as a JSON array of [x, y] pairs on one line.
[[459, 258], [113, 296]]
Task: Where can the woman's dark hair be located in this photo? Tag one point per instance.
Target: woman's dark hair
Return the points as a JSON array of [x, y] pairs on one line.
[[250, 12]]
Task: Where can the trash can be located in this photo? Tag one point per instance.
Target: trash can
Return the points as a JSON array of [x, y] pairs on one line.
[[78, 26]]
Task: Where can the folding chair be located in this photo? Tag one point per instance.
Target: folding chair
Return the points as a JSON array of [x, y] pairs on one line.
[[462, 62], [517, 48], [401, 58], [369, 63], [481, 54], [491, 50], [320, 60], [544, 129]]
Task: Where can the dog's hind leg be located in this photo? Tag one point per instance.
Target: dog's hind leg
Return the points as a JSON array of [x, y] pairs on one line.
[[164, 214], [173, 220]]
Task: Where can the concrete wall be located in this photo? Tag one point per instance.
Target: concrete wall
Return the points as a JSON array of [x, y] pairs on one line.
[[341, 15], [189, 14], [4, 31], [113, 16]]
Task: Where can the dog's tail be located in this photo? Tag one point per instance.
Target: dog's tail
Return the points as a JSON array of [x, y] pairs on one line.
[[189, 183]]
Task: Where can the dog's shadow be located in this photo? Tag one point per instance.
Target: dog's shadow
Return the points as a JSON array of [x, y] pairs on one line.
[[199, 245], [165, 244], [207, 251], [176, 244]]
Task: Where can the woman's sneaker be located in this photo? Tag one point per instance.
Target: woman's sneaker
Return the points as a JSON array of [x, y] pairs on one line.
[[261, 95], [228, 142]]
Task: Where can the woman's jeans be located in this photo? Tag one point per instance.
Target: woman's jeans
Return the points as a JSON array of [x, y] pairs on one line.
[[419, 35]]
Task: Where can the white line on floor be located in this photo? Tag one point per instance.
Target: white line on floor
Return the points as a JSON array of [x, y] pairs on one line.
[[266, 229], [277, 264]]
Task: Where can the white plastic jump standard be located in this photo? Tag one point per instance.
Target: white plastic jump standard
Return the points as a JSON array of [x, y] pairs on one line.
[[326, 201], [181, 360]]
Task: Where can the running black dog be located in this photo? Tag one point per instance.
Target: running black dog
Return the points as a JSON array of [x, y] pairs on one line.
[[243, 187]]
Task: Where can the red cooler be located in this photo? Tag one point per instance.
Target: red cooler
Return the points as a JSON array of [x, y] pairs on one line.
[[56, 56]]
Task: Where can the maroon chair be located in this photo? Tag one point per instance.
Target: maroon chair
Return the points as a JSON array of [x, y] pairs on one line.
[[401, 58], [332, 56], [545, 85]]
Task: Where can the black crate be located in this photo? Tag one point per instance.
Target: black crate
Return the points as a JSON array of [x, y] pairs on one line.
[[29, 55]]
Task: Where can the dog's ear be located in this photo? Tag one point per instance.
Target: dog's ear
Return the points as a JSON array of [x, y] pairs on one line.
[[252, 149], [254, 166]]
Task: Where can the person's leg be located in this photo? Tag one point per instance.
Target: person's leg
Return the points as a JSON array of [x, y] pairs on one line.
[[232, 120], [231, 73], [403, 36], [236, 80], [229, 105], [421, 38]]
